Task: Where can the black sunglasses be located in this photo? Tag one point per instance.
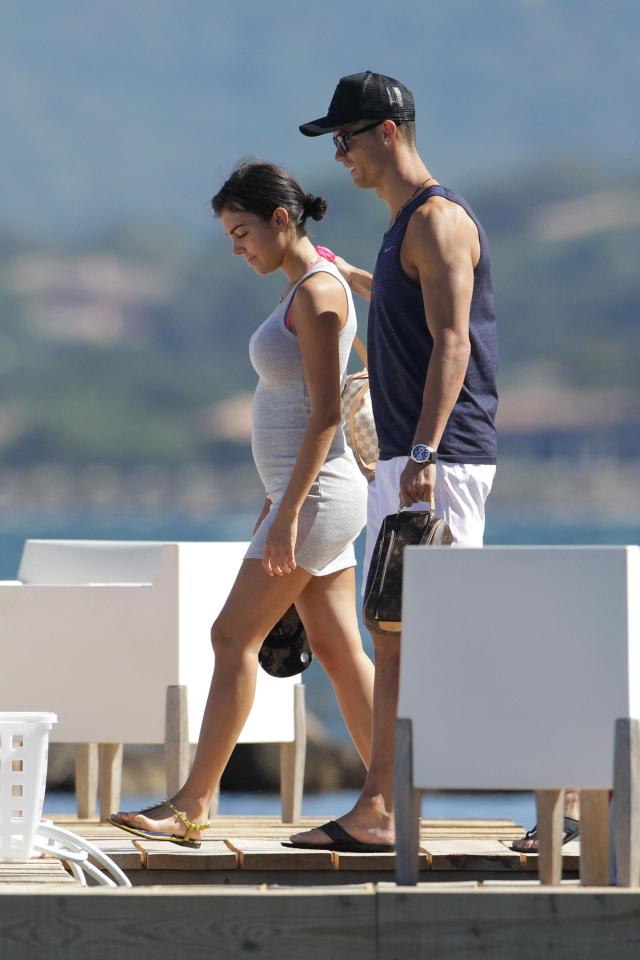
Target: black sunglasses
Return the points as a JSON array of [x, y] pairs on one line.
[[342, 141]]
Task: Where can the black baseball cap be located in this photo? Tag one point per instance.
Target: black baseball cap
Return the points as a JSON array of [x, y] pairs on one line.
[[363, 96]]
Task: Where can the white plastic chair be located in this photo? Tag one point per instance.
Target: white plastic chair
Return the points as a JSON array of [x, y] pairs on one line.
[[80, 855]]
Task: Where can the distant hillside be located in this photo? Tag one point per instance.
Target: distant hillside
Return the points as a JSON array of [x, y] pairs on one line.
[[136, 110], [127, 348]]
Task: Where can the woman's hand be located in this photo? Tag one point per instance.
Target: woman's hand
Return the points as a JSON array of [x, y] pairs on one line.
[[279, 550], [266, 506]]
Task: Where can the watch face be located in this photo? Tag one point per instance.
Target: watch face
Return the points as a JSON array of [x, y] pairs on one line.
[[420, 453]]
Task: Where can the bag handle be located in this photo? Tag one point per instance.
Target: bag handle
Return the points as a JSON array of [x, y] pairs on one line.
[[432, 506], [360, 349]]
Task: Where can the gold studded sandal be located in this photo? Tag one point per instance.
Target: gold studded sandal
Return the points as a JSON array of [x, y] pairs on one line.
[[184, 841]]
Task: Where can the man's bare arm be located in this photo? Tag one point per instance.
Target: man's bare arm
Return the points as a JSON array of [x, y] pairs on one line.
[[359, 280], [440, 247]]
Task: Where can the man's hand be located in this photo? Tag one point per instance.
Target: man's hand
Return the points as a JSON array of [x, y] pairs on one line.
[[345, 268], [417, 483], [359, 280]]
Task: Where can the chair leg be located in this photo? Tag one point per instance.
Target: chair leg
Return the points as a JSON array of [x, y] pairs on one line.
[[550, 817], [177, 746], [406, 808], [594, 838], [109, 778], [86, 779], [292, 759], [626, 792], [215, 802]]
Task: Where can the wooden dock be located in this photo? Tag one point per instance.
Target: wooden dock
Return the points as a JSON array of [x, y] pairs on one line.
[[248, 850], [242, 894]]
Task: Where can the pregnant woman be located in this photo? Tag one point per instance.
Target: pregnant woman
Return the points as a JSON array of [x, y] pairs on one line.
[[315, 497]]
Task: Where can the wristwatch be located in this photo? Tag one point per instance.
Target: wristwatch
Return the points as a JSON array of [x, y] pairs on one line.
[[421, 453]]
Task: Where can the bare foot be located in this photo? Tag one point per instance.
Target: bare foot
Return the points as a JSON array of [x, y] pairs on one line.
[[161, 819], [368, 822]]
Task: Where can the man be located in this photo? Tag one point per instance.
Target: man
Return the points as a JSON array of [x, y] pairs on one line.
[[432, 364]]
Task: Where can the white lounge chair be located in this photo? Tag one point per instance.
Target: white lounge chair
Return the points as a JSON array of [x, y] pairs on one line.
[[516, 664], [113, 636]]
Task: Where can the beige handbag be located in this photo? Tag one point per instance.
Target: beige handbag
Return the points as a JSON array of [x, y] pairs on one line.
[[357, 416]]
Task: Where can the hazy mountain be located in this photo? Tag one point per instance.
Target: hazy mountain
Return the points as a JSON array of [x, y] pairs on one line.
[[134, 109]]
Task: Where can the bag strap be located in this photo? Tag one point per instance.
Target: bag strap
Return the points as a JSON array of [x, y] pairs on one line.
[[360, 349]]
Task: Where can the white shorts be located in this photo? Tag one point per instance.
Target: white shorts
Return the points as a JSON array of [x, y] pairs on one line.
[[460, 493]]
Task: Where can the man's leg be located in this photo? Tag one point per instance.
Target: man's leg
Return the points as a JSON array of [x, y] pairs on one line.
[[371, 819], [460, 494]]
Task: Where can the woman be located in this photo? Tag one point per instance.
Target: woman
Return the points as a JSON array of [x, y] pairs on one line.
[[315, 504]]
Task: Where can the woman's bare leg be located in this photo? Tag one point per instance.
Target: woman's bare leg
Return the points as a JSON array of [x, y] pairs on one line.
[[327, 607], [255, 603]]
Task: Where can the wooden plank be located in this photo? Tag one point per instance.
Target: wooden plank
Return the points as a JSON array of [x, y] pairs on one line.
[[164, 855], [626, 791], [472, 853], [502, 833], [570, 858], [374, 861], [550, 817], [191, 923], [37, 871], [258, 854], [524, 922], [123, 852], [513, 884], [594, 838], [484, 823]]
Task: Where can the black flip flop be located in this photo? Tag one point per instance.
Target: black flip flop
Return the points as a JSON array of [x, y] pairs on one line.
[[341, 842], [571, 832]]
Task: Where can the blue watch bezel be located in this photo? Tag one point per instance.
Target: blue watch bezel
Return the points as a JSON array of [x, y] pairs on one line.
[[431, 456]]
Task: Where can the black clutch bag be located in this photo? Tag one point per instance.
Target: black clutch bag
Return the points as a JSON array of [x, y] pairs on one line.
[[286, 649], [382, 610]]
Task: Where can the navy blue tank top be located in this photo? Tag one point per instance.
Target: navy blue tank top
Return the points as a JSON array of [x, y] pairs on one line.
[[400, 346]]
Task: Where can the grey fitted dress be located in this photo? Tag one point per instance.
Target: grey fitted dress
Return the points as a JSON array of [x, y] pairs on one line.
[[334, 511]]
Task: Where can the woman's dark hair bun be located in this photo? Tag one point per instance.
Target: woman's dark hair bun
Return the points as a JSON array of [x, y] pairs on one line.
[[314, 207], [258, 187]]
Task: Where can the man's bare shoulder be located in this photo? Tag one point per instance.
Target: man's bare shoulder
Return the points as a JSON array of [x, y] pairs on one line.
[[443, 226]]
